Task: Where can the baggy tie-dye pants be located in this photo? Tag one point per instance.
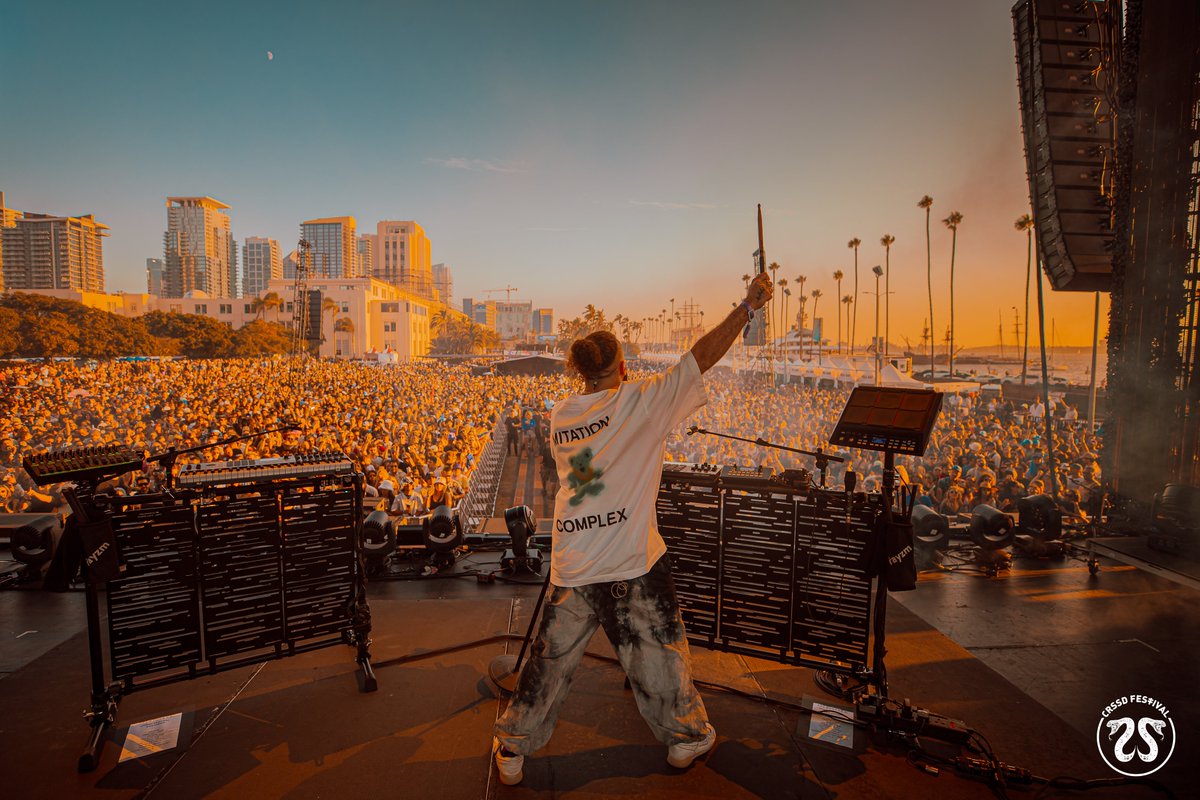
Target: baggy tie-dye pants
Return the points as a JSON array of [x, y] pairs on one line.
[[641, 619]]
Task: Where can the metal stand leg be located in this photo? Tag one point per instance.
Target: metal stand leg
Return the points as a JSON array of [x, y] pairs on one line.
[[504, 669], [103, 711]]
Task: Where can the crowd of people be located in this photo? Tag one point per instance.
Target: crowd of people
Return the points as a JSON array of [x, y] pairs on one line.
[[983, 450], [417, 430]]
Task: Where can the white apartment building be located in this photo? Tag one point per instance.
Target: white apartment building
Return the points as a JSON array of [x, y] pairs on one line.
[[371, 316], [198, 248], [334, 247], [402, 256], [261, 263]]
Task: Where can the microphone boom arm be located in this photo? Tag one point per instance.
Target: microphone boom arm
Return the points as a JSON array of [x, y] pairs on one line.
[[820, 455]]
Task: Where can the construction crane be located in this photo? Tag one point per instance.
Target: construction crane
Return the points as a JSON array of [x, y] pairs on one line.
[[508, 290]]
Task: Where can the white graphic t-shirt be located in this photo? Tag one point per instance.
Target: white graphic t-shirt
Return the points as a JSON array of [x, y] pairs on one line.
[[608, 448]]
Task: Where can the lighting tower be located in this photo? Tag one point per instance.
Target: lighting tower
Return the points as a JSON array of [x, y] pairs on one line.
[[300, 298]]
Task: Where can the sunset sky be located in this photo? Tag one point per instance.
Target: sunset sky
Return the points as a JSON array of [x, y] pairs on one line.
[[584, 152]]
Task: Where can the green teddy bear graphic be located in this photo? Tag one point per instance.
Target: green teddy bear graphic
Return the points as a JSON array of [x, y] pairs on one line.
[[583, 477]]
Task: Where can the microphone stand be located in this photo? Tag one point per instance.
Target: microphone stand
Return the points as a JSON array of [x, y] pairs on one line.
[[823, 459]]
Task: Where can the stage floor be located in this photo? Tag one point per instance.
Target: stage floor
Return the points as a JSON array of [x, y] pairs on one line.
[[299, 728], [1029, 658]]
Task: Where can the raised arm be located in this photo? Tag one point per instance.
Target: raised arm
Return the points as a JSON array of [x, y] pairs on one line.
[[713, 345]]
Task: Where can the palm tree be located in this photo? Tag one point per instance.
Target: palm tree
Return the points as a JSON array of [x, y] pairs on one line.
[[774, 268], [837, 276], [272, 300], [952, 222], [1025, 223], [847, 301], [345, 325], [801, 298], [257, 305], [887, 241], [787, 293], [816, 296], [330, 306], [853, 245], [926, 203], [746, 280], [783, 282]]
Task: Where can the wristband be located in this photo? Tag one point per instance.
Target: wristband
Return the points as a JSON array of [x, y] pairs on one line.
[[749, 311]]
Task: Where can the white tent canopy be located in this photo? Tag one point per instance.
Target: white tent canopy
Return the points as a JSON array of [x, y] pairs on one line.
[[848, 370], [890, 376]]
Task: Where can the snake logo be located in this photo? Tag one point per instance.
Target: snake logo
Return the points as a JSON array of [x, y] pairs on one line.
[[1140, 740]]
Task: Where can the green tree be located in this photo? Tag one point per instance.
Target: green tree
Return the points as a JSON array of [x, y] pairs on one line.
[[260, 338], [198, 336], [50, 337], [10, 338]]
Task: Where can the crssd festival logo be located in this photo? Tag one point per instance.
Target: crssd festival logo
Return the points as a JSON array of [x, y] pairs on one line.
[[1136, 735]]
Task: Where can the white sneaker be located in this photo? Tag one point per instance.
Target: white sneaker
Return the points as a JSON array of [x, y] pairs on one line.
[[511, 768], [682, 755]]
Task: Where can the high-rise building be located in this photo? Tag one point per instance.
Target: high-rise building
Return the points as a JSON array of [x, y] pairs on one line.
[[543, 321], [198, 249], [261, 263], [289, 265], [42, 251], [366, 255], [8, 219], [514, 319], [154, 276], [481, 313], [402, 256], [443, 281], [334, 247]]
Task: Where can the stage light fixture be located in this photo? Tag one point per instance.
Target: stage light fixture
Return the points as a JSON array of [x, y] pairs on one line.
[[931, 530], [442, 530], [1177, 509], [521, 525], [379, 534], [991, 528], [32, 538], [1040, 517]]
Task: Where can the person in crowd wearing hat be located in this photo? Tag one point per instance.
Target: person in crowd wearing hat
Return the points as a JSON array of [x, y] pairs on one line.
[[440, 495], [408, 502], [387, 495]]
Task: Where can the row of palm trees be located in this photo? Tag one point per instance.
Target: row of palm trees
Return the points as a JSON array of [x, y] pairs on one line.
[[272, 301], [849, 301]]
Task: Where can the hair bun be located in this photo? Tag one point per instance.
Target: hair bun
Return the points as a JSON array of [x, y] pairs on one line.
[[593, 354]]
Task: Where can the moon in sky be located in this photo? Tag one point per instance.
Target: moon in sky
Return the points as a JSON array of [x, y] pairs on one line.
[[270, 56]]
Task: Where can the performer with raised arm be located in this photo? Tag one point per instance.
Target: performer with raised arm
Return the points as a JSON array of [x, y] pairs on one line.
[[610, 566]]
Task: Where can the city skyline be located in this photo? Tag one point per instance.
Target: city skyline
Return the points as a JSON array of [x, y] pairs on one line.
[[608, 158]]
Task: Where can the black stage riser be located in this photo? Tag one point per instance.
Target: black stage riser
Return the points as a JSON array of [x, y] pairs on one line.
[[770, 572], [248, 572]]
